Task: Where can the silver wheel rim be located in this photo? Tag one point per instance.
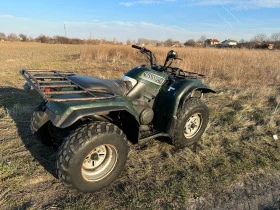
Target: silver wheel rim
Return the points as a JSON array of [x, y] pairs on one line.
[[193, 125], [99, 163]]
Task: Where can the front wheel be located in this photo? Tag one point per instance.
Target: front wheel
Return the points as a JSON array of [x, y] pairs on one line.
[[192, 119], [92, 157]]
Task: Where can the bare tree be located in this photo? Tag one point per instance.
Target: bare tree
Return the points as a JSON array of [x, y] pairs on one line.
[[128, 42], [142, 41], [2, 35], [190, 43], [275, 37], [168, 43], [42, 38], [259, 38], [202, 38], [242, 41], [23, 37], [12, 37]]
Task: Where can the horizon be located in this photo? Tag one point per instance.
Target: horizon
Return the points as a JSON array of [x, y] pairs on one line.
[[179, 20]]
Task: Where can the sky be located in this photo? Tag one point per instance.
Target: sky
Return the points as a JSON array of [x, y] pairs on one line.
[[123, 20]]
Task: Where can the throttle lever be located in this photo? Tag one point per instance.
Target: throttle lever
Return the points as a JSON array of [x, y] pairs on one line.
[[179, 59]]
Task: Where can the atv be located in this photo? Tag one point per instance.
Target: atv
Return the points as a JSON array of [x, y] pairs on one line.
[[91, 119]]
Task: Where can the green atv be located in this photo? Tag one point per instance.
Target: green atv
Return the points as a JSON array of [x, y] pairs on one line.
[[90, 119]]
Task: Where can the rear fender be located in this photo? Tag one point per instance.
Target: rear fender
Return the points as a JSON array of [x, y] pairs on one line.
[[65, 114]]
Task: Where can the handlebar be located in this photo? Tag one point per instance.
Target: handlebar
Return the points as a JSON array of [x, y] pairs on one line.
[[137, 47], [142, 49], [148, 53], [172, 55]]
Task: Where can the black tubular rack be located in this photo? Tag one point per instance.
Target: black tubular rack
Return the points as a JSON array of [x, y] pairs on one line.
[[54, 85]]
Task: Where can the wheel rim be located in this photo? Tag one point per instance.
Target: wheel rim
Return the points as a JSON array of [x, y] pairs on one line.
[[193, 125], [99, 162]]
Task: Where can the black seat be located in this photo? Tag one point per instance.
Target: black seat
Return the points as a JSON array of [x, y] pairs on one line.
[[117, 86]]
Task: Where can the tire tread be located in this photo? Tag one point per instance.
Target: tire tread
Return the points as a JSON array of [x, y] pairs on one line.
[[187, 107], [76, 140]]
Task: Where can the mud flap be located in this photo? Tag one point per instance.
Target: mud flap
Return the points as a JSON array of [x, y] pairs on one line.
[[39, 118]]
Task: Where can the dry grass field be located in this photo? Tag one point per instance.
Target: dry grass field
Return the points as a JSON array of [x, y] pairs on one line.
[[236, 165]]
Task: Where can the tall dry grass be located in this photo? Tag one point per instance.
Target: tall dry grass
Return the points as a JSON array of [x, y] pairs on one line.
[[235, 164], [223, 67]]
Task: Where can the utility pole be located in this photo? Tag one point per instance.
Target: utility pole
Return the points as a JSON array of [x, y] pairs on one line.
[[65, 29]]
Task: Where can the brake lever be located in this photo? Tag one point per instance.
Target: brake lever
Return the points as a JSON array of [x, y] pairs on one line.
[[142, 50]]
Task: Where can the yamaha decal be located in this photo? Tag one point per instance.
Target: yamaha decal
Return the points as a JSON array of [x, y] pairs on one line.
[[154, 78]]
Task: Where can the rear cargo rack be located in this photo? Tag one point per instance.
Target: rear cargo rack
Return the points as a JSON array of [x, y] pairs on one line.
[[54, 85]]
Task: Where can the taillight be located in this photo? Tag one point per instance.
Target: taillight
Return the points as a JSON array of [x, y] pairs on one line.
[[47, 90]]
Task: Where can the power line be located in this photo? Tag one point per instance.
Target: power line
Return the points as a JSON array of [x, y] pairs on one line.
[[65, 29]]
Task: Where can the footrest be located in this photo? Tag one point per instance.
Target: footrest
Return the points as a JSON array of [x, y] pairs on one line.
[[151, 135]]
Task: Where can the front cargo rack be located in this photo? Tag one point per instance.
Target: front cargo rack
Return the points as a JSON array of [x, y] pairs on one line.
[[177, 72], [54, 85]]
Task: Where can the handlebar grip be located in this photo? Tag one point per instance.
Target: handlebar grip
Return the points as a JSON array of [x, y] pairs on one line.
[[137, 47]]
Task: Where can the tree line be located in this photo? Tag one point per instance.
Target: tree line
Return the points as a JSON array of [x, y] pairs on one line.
[[42, 39], [255, 42]]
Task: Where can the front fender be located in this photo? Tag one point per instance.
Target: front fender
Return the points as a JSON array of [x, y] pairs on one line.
[[173, 95], [195, 92], [64, 114]]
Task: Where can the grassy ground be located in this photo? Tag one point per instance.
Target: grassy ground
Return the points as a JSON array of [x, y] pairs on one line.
[[236, 164]]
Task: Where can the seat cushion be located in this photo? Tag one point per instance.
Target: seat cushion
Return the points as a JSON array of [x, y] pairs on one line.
[[117, 86]]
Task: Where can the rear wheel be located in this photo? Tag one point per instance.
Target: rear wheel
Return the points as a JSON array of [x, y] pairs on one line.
[[192, 119], [92, 157]]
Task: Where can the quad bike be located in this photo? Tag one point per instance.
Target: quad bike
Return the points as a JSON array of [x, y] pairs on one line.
[[92, 118]]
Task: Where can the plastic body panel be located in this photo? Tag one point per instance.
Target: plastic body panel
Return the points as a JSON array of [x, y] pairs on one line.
[[149, 77], [64, 114]]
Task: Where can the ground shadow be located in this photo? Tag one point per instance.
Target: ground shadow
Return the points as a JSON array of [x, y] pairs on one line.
[[20, 105]]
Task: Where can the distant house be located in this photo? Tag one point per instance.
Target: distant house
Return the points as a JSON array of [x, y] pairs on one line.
[[270, 46], [229, 43], [211, 42]]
